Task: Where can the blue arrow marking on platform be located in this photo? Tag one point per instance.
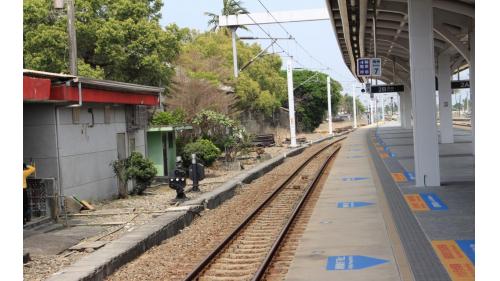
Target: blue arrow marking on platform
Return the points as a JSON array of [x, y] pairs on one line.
[[433, 201], [352, 262], [353, 204], [392, 154], [469, 249], [354, 178]]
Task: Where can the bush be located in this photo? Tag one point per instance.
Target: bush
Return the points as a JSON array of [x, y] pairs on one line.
[[138, 168], [227, 134], [142, 170], [204, 150]]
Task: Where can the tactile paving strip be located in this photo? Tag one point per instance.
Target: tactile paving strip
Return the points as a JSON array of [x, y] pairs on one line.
[[423, 260]]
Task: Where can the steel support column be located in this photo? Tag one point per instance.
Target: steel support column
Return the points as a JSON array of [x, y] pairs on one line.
[[444, 82], [425, 137], [329, 97], [472, 75], [406, 109], [291, 102]]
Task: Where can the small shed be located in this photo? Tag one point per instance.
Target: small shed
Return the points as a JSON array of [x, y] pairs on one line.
[[162, 149]]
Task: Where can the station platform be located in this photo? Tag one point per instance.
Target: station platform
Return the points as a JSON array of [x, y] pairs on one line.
[[371, 222]]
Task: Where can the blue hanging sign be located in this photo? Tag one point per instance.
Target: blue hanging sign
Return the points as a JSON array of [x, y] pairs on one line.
[[353, 204], [352, 262], [433, 201], [364, 67]]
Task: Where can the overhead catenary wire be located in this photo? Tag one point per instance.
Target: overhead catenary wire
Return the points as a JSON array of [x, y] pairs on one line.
[[297, 42]]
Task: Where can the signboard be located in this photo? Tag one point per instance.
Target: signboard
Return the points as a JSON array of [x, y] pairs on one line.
[[460, 84], [387, 89], [352, 262], [376, 67], [369, 67], [457, 84], [364, 67]]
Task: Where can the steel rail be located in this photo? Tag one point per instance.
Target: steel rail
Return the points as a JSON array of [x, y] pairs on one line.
[[275, 247], [208, 259]]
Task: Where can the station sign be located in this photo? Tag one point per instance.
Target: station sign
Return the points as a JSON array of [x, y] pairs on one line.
[[457, 84], [376, 66], [369, 67], [460, 84], [386, 89], [364, 67]]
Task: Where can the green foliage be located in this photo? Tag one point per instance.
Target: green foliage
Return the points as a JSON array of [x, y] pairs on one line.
[[166, 118], [227, 134], [347, 104], [142, 170], [229, 7], [135, 167], [118, 40], [204, 149], [311, 101], [209, 57]]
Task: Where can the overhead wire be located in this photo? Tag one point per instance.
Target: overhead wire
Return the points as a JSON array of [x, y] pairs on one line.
[[297, 42]]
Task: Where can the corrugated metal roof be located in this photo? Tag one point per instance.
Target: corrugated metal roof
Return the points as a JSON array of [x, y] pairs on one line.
[[94, 83]]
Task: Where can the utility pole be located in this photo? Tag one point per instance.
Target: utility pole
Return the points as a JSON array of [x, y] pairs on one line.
[[235, 51], [291, 104], [72, 38], [330, 122], [355, 124]]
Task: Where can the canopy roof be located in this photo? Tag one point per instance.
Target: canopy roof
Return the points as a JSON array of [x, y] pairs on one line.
[[353, 21]]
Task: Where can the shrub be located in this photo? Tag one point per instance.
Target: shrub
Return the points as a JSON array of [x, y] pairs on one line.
[[142, 170], [227, 134], [135, 167], [204, 149]]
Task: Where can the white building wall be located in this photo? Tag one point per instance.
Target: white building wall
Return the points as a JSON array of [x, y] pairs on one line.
[[85, 151], [39, 138]]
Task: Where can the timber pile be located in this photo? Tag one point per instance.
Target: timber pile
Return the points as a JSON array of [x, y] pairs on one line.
[[263, 140]]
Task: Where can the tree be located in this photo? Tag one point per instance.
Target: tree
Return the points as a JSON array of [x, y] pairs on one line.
[[311, 101], [260, 88], [117, 39], [347, 105], [192, 95], [229, 7]]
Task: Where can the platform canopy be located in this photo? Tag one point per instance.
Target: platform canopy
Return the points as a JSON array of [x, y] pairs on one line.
[[354, 20]]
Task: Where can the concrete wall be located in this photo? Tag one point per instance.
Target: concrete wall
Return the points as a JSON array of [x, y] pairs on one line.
[[257, 124], [39, 138], [85, 151]]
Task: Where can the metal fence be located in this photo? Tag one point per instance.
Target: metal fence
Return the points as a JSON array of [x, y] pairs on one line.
[[41, 191]]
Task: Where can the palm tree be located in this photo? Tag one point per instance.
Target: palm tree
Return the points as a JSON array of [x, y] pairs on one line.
[[230, 7]]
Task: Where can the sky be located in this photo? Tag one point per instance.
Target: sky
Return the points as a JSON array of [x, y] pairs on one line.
[[317, 37]]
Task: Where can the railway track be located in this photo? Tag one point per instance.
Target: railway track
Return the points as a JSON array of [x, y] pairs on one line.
[[248, 251]]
